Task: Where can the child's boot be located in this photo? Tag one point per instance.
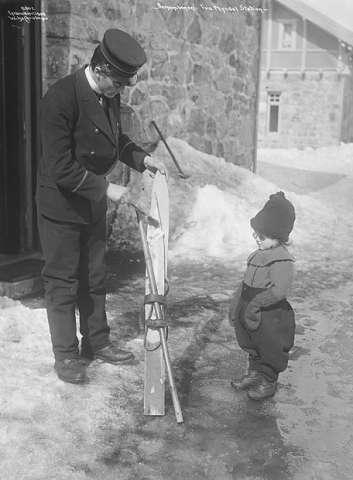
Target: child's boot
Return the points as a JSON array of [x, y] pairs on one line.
[[264, 388], [248, 380]]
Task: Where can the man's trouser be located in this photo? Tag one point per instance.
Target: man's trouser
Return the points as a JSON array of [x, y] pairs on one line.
[[269, 345], [74, 275]]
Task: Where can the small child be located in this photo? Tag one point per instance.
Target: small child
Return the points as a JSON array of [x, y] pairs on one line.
[[263, 319]]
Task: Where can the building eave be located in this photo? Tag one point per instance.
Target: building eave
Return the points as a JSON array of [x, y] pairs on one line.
[[320, 19]]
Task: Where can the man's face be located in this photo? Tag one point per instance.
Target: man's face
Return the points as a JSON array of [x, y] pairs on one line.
[[110, 85]]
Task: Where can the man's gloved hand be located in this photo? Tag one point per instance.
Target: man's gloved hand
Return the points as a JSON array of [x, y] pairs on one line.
[[115, 192], [153, 165]]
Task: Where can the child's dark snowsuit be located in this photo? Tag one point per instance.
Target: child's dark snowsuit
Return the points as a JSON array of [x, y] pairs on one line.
[[262, 317]]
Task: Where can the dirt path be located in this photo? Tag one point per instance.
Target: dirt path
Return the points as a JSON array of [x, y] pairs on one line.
[[304, 432]]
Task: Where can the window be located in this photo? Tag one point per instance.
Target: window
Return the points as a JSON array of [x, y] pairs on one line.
[[287, 35], [273, 112]]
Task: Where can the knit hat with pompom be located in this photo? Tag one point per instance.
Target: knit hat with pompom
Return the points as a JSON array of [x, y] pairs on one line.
[[276, 219]]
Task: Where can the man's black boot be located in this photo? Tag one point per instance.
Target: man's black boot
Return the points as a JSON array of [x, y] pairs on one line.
[[108, 354], [247, 381], [113, 354], [71, 370], [86, 352], [263, 389]]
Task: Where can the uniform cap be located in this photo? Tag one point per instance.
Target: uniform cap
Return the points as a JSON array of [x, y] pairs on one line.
[[122, 52]]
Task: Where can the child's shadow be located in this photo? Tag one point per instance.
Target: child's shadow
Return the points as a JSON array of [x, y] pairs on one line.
[[262, 451]]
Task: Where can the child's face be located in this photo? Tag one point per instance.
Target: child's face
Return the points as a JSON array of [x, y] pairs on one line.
[[263, 242], [258, 238]]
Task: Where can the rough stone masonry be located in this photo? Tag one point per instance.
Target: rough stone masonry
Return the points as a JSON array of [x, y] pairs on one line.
[[200, 81]]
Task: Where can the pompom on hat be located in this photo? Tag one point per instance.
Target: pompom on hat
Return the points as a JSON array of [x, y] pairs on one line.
[[276, 219]]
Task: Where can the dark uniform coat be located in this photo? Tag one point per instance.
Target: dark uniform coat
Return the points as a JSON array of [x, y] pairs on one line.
[[80, 145]]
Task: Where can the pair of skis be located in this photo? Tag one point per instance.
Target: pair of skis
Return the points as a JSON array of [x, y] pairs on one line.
[[154, 230]]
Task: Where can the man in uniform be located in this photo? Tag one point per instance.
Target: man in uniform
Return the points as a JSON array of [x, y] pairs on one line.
[[81, 142]]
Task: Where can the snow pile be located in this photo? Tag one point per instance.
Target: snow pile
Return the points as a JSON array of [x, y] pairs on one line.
[[210, 211], [45, 426]]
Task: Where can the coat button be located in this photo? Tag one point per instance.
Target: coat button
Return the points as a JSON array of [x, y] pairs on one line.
[[92, 152], [96, 131]]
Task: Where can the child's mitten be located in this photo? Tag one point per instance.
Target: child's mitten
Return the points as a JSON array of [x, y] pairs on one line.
[[252, 315], [234, 304]]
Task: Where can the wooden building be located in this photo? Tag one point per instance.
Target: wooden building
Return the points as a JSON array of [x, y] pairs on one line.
[[306, 87]]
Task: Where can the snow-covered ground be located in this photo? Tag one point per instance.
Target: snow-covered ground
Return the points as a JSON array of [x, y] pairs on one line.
[[333, 159], [50, 430]]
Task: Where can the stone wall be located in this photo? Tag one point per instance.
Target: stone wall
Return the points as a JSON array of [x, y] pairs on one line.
[[200, 81], [309, 113]]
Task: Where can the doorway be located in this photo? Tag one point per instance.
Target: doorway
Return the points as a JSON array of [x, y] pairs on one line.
[[20, 90]]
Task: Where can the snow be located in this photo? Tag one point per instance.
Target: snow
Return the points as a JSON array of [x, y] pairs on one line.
[[45, 425], [333, 159], [215, 207], [210, 211]]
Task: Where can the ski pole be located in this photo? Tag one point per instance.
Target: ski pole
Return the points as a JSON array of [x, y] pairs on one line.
[[181, 173], [158, 310]]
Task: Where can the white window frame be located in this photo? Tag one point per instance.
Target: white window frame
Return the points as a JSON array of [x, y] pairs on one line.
[[273, 101], [294, 24]]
